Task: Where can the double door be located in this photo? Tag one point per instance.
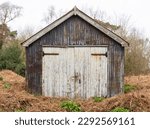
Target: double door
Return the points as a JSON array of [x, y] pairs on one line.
[[74, 72]]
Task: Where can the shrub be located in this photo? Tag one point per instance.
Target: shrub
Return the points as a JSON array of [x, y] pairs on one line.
[[128, 88], [20, 69], [10, 58], [120, 109], [98, 99], [7, 85], [70, 106]]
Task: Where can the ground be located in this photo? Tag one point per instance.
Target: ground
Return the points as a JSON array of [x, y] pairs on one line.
[[14, 97]]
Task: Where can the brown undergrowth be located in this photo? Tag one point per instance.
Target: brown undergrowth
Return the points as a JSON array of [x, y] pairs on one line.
[[13, 97]]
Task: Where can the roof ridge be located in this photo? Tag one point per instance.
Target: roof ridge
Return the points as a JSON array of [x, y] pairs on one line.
[[75, 11]]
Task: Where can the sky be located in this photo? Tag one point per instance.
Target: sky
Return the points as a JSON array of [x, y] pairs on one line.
[[33, 11]]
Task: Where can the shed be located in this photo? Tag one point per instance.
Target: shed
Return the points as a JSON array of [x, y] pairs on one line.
[[75, 57]]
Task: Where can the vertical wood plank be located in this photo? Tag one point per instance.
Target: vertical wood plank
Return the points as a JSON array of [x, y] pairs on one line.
[[69, 55], [75, 72], [98, 73]]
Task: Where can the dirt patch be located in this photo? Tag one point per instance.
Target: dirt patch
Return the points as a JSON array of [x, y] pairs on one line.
[[13, 97]]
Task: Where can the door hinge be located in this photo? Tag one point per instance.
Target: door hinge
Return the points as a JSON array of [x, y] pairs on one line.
[[54, 54], [99, 54]]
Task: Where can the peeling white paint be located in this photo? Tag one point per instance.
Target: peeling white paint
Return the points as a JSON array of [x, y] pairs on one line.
[[75, 72]]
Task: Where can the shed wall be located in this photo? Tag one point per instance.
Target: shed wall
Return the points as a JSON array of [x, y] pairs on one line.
[[75, 31]]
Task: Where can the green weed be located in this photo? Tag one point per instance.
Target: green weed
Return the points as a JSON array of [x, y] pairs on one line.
[[120, 109], [20, 110], [128, 88], [98, 99], [1, 78], [70, 106], [7, 85]]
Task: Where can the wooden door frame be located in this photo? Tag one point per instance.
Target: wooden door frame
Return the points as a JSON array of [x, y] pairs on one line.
[[108, 60]]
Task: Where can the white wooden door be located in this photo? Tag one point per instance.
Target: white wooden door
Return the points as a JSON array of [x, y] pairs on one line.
[[58, 69], [98, 72], [75, 72]]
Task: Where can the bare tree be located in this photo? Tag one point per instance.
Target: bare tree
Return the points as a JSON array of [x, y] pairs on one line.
[[124, 21], [60, 13], [50, 15], [9, 12], [26, 32], [95, 14], [137, 55]]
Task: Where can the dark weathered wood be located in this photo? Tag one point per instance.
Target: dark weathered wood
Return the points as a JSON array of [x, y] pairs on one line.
[[75, 32], [75, 12]]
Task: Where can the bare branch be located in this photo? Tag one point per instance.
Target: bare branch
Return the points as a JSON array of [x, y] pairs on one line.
[[26, 32], [50, 15], [9, 12]]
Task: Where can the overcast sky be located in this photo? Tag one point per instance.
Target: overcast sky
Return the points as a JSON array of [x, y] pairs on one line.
[[33, 11]]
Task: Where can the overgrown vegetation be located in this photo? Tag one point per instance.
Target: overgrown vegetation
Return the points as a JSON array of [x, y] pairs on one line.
[[1, 78], [17, 98], [8, 12], [98, 99], [11, 54], [20, 110], [128, 88], [120, 109], [70, 106], [7, 85], [136, 56], [10, 58]]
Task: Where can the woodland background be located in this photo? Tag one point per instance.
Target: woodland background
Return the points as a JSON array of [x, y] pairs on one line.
[[12, 54]]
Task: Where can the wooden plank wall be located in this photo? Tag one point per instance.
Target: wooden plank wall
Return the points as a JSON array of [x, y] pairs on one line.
[[74, 72], [74, 31]]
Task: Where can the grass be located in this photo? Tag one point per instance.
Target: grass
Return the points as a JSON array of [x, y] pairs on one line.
[[98, 99], [120, 109], [70, 106], [7, 85], [20, 110], [128, 88], [1, 78]]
